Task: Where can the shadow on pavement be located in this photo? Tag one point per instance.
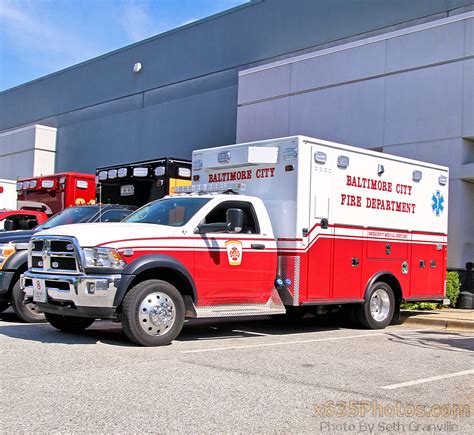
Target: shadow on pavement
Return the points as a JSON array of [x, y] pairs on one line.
[[216, 329], [444, 340]]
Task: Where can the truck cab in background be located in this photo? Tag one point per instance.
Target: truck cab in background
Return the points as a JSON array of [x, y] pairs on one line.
[[14, 252], [139, 183]]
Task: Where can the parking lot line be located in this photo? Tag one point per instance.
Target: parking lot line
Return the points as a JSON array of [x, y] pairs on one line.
[[251, 332], [283, 343], [431, 379]]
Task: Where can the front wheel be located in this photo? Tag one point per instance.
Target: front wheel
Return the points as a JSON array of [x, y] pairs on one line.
[[69, 323], [377, 310], [153, 313], [3, 306], [27, 312]]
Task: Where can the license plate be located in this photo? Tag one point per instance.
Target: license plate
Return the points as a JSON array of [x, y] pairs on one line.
[[39, 290]]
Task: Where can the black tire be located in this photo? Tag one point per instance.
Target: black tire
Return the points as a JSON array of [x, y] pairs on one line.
[[381, 294], [141, 310], [69, 323], [3, 306], [28, 313]]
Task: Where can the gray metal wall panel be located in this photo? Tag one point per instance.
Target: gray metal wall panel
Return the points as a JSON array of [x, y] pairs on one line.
[[439, 44], [268, 120], [349, 114], [347, 65], [267, 84], [424, 104], [468, 100]]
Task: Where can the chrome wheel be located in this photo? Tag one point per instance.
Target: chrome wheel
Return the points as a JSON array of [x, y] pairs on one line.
[[379, 305], [157, 314]]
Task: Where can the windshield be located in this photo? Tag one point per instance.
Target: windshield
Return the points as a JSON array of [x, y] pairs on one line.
[[73, 215], [174, 212]]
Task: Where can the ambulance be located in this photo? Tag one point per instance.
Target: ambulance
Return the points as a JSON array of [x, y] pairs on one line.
[[279, 227], [7, 194]]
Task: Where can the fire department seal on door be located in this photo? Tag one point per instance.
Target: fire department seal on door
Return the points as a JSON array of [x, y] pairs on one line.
[[234, 252]]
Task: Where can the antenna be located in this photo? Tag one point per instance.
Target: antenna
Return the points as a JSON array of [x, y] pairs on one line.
[[99, 186]]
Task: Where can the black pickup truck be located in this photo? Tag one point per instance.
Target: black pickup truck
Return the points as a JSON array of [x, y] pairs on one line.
[[14, 252]]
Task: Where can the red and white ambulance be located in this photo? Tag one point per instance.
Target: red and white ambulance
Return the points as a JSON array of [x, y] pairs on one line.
[[270, 227]]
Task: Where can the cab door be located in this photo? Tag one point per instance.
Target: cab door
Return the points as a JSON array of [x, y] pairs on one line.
[[234, 268]]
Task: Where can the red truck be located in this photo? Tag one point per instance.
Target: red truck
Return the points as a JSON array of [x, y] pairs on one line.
[[21, 219]]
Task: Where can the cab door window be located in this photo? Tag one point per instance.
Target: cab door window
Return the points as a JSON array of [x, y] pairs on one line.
[[219, 215]]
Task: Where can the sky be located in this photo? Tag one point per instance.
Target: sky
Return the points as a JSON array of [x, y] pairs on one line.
[[39, 37]]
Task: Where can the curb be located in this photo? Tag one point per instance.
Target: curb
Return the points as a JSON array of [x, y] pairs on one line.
[[455, 325]]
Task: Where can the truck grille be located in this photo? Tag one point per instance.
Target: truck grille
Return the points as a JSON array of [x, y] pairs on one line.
[[55, 254]]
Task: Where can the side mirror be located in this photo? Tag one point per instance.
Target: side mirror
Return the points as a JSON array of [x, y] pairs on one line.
[[9, 225], [235, 219]]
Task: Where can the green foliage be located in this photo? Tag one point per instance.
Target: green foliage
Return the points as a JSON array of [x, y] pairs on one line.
[[419, 306], [453, 285]]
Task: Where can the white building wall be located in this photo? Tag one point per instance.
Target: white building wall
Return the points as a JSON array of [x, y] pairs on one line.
[[27, 152], [409, 93]]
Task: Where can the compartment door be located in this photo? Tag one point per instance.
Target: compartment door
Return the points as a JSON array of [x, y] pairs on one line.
[[321, 230]]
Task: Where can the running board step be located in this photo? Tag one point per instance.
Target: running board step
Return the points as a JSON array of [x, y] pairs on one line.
[[273, 306]]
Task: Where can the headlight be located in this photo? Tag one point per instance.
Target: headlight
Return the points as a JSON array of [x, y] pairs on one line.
[[6, 250], [103, 257]]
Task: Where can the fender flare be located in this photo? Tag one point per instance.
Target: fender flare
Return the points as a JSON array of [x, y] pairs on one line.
[[148, 262], [375, 277], [17, 260]]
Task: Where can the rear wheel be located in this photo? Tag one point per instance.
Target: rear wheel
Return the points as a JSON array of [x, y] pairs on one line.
[[29, 312], [153, 313], [377, 310], [69, 323]]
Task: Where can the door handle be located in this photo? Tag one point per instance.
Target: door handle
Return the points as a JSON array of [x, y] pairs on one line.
[[257, 246]]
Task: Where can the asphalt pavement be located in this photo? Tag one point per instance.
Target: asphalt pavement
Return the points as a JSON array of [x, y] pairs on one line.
[[322, 375]]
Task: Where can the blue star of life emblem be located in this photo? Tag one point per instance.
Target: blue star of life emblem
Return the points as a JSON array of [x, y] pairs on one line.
[[438, 201]]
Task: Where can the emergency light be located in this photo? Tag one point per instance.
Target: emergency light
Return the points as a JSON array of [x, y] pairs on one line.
[[160, 171], [210, 188], [122, 172], [140, 172], [33, 184], [112, 174], [47, 184]]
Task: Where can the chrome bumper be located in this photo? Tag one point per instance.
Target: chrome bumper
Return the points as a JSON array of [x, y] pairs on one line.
[[82, 290]]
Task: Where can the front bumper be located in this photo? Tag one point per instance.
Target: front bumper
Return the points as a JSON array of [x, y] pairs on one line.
[[80, 295], [5, 281]]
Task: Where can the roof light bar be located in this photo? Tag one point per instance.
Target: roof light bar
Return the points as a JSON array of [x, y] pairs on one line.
[[210, 188]]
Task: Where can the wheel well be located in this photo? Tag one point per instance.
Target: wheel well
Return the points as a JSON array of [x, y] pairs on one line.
[[23, 268], [172, 276], [393, 283]]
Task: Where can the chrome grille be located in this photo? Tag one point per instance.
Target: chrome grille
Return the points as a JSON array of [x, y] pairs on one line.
[[55, 255]]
